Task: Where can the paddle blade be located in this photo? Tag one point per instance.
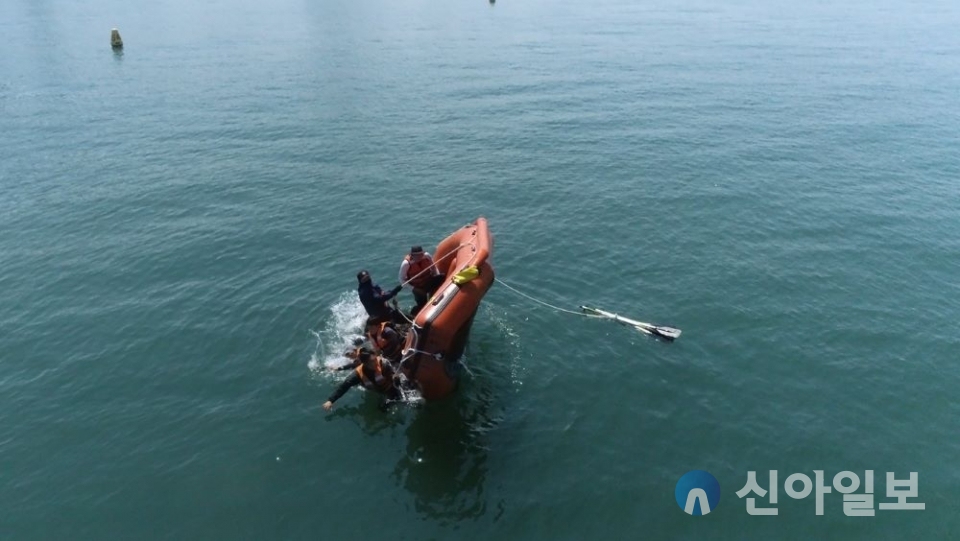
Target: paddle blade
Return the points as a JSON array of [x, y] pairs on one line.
[[668, 332]]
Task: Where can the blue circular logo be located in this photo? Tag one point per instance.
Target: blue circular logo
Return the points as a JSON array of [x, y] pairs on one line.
[[698, 492]]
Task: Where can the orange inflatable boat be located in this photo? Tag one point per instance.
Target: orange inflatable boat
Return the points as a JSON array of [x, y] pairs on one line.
[[438, 335]]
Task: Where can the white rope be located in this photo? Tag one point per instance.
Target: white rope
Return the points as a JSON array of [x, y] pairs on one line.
[[662, 331], [522, 294], [436, 356], [434, 264], [399, 311]]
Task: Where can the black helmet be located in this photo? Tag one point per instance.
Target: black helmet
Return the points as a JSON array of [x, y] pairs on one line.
[[362, 275]]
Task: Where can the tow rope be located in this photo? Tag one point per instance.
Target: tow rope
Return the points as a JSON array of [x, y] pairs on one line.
[[667, 333]]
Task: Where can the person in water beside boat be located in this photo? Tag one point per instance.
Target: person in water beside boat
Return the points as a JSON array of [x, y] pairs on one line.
[[374, 300], [370, 371], [387, 340], [419, 272]]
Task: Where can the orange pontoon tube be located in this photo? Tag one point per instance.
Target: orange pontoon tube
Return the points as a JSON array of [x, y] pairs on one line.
[[438, 335]]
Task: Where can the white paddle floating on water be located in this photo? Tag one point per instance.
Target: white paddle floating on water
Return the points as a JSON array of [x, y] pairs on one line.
[[668, 333]]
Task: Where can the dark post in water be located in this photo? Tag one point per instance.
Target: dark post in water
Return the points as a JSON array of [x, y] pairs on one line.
[[115, 40]]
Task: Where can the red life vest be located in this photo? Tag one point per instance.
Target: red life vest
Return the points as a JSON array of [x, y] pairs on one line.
[[416, 268]]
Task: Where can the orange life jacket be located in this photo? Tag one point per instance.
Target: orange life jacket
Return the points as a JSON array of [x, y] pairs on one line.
[[390, 348], [417, 267], [381, 382]]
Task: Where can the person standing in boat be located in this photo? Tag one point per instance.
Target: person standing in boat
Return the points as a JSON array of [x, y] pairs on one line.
[[421, 274], [374, 300], [373, 373]]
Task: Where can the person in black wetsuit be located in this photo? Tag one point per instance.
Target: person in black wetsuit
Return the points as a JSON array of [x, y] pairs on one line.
[[374, 300], [386, 340], [372, 372]]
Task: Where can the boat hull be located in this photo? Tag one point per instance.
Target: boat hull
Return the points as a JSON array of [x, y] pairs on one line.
[[439, 333]]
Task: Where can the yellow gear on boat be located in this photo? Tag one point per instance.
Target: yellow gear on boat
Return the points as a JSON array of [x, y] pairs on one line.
[[466, 275]]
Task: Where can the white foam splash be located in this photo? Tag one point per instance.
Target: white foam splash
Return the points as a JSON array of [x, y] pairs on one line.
[[337, 336], [512, 341], [408, 394], [345, 325]]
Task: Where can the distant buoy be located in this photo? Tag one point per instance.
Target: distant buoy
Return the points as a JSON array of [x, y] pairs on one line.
[[115, 40]]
